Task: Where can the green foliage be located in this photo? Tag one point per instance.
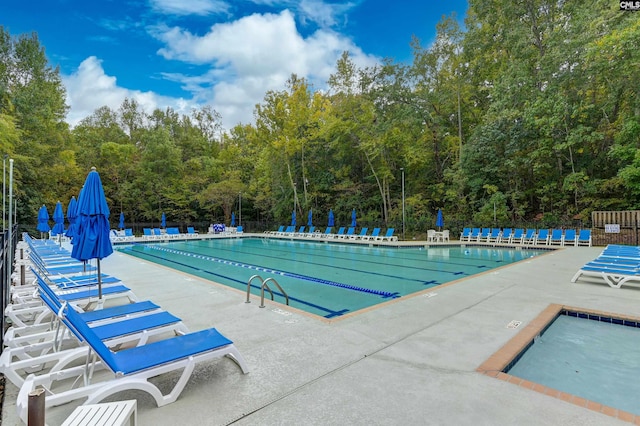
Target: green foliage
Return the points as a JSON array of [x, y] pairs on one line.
[[532, 113]]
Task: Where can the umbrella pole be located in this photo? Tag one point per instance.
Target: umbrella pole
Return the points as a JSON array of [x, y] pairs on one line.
[[100, 301]]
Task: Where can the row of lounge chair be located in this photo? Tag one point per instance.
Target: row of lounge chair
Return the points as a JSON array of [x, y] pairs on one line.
[[617, 265], [125, 235], [343, 233], [568, 237], [56, 338], [173, 233]]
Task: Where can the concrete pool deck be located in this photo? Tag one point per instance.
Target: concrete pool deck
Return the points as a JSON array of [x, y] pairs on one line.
[[413, 361]]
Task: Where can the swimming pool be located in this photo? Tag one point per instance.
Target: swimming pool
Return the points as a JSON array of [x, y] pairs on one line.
[[591, 356], [325, 279]]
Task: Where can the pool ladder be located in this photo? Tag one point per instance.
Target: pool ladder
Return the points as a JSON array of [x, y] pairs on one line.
[[262, 287]]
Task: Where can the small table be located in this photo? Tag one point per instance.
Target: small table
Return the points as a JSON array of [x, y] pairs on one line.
[[437, 236], [107, 414]]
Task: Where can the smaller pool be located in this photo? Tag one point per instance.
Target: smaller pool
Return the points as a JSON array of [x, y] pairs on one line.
[[591, 356]]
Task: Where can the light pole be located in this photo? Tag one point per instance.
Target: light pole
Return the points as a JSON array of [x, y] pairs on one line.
[[402, 170], [239, 208]]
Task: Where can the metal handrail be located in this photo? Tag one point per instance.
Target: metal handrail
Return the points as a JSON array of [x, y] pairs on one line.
[[249, 286], [264, 284]]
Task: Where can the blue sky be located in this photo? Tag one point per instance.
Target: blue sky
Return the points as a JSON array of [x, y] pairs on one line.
[[187, 53]]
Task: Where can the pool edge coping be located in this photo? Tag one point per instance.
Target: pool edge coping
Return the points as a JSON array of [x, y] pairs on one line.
[[499, 360]]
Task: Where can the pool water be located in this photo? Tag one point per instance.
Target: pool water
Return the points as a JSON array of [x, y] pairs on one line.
[[594, 360], [329, 280]]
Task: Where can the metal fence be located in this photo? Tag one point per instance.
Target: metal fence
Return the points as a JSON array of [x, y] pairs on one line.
[[6, 269]]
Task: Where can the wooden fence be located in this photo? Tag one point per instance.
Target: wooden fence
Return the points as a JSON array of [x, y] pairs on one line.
[[615, 227]]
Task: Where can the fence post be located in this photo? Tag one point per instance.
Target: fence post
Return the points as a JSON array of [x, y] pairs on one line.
[[35, 408]]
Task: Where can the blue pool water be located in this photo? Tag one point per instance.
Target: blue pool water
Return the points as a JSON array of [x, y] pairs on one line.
[[326, 279], [595, 360]]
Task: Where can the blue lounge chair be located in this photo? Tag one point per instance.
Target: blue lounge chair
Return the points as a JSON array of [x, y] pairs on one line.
[[556, 237], [157, 233], [278, 232], [529, 237], [517, 237], [388, 236], [326, 234], [350, 232], [239, 230], [374, 234], [484, 235], [115, 236], [569, 237], [131, 367], [363, 233], [17, 361], [475, 234], [542, 237], [128, 234], [300, 232], [310, 232], [494, 236], [584, 238], [505, 236], [64, 267], [173, 233], [466, 233], [191, 232], [614, 274], [339, 234]]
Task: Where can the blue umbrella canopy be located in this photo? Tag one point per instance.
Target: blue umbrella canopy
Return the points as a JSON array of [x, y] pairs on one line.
[[43, 219], [163, 221], [353, 218], [58, 218], [332, 221], [72, 215], [440, 219], [92, 241], [121, 223], [310, 218], [233, 219], [293, 218]]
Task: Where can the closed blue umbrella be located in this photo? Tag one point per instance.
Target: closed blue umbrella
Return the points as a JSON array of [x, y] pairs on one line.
[[92, 241], [72, 215], [43, 220], [163, 221], [440, 220], [310, 218], [293, 218], [121, 223], [332, 221], [58, 218], [233, 219], [353, 218]]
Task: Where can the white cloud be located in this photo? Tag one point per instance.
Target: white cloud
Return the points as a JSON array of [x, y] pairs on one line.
[[190, 7], [323, 14], [246, 58], [89, 88], [252, 55]]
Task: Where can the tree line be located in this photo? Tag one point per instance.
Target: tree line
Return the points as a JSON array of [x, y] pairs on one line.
[[531, 112]]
